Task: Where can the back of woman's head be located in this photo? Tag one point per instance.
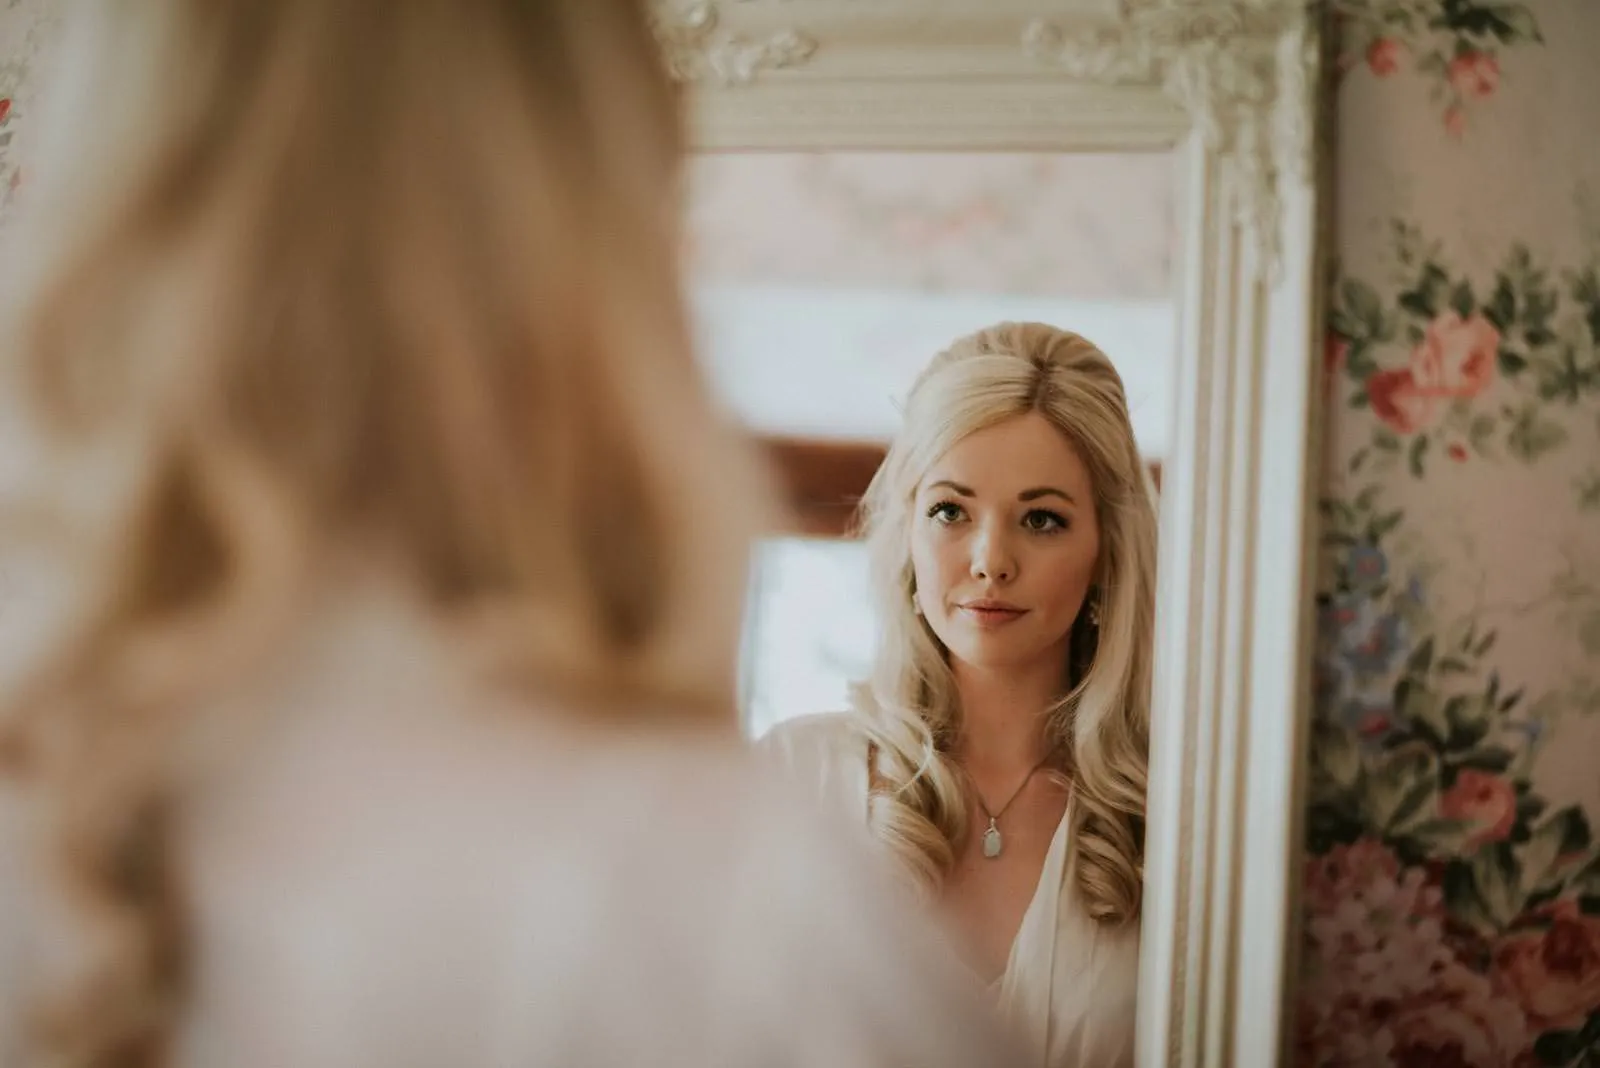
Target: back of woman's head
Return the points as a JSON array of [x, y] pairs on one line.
[[311, 280], [911, 705]]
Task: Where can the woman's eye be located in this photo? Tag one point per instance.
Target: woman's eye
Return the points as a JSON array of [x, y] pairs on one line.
[[1042, 522], [945, 512]]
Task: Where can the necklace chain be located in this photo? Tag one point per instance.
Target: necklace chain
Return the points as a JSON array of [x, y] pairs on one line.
[[994, 817]]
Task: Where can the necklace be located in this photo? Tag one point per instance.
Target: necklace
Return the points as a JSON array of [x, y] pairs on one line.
[[993, 840]]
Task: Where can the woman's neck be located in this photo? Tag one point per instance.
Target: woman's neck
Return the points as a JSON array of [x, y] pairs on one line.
[[1003, 714]]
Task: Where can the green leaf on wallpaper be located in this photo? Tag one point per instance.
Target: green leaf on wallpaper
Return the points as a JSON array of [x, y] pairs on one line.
[[1562, 378], [1357, 460], [1469, 719], [1425, 298], [1586, 294], [1359, 363], [1384, 525], [1588, 489], [1386, 439], [1562, 1049], [1442, 837], [1516, 23], [1418, 453], [1532, 436], [1502, 307], [1486, 643], [1359, 399], [1462, 897], [1365, 310], [1403, 785], [1493, 758], [1511, 363], [1421, 709], [1463, 300], [1420, 662], [1498, 877], [1454, 665], [1337, 756], [1557, 849], [1587, 878]]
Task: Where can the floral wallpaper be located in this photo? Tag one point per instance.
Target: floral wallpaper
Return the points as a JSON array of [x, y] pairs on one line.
[[1452, 889], [1452, 885], [26, 27]]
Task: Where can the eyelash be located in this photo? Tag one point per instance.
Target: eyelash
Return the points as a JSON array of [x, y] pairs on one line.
[[1055, 525]]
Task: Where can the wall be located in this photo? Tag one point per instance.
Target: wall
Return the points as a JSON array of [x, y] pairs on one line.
[[1453, 890]]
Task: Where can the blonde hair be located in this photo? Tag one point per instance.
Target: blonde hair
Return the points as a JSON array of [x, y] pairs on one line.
[[910, 708], [310, 280]]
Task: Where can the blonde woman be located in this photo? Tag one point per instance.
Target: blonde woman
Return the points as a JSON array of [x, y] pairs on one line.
[[1012, 540], [380, 714]]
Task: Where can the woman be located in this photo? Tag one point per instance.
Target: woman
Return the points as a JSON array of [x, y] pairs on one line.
[[1011, 533], [381, 715]]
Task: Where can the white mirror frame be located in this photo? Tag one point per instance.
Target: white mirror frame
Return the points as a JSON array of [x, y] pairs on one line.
[[1231, 88]]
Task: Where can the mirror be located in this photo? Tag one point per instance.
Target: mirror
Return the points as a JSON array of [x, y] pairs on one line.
[[815, 319], [876, 177]]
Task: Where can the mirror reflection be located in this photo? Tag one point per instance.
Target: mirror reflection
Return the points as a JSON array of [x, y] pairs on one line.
[[961, 365], [825, 281]]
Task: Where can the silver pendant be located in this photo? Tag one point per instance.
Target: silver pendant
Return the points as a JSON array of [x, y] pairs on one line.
[[992, 841]]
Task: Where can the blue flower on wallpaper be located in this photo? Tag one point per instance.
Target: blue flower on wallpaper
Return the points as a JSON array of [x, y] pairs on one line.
[[1367, 716], [1365, 638], [1367, 565]]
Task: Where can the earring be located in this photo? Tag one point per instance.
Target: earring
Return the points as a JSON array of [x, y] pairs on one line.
[[1094, 612]]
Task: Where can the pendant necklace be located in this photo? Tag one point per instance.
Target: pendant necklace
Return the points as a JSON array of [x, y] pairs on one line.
[[993, 841]]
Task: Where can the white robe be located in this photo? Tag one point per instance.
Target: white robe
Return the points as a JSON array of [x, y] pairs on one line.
[[394, 871], [1070, 983]]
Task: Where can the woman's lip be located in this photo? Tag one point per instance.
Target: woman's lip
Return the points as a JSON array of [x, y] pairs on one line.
[[992, 616]]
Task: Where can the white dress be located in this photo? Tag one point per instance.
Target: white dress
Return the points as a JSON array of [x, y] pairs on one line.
[[1070, 983], [415, 876]]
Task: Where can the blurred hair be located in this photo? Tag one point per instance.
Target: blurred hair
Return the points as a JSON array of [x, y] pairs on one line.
[[311, 282]]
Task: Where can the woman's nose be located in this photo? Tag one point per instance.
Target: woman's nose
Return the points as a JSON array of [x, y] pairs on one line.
[[992, 561]]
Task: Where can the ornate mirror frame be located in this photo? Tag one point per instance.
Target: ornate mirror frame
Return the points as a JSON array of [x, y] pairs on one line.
[[1232, 89]]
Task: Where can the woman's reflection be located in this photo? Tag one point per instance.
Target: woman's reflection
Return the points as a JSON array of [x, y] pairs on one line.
[[1011, 531]]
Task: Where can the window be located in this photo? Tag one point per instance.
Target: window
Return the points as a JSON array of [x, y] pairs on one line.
[[809, 631]]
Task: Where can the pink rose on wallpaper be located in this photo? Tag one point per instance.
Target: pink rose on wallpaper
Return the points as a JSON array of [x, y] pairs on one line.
[[1555, 973], [1457, 356], [1475, 74], [1383, 56], [1484, 800], [1455, 122], [5, 109], [1464, 1021], [1399, 401]]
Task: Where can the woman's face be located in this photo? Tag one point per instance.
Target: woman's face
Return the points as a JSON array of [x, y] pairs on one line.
[[1004, 543]]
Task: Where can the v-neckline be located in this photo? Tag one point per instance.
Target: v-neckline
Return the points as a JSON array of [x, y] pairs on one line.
[[995, 984]]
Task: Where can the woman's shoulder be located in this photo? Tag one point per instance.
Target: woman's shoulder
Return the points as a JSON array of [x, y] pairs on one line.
[[818, 731], [825, 754]]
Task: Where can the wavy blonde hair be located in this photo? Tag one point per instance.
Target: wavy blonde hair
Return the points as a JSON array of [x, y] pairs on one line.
[[911, 709], [311, 280]]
